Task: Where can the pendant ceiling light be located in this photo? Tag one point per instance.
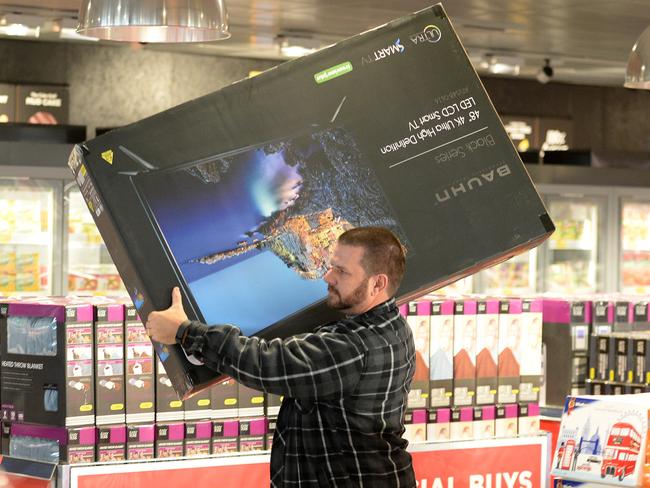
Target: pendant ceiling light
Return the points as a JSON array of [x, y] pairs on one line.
[[638, 64], [154, 20]]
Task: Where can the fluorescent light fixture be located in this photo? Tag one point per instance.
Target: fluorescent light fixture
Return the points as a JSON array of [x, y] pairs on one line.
[[18, 30], [154, 20], [296, 46], [501, 65], [638, 64]]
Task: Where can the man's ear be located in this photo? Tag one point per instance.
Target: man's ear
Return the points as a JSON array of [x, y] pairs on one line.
[[380, 284]]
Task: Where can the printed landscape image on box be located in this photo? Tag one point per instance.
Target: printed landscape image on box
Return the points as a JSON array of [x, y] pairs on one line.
[[275, 210]]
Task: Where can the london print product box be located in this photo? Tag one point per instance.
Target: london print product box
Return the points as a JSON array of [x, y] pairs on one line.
[[140, 441], [418, 317], [47, 363], [487, 342], [109, 364], [140, 375], [464, 352], [111, 443], [509, 361], [441, 350], [261, 192], [531, 372], [603, 439]]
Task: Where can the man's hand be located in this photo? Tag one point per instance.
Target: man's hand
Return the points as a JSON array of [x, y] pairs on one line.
[[162, 325]]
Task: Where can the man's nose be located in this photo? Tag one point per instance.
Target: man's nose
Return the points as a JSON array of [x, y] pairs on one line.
[[327, 277]]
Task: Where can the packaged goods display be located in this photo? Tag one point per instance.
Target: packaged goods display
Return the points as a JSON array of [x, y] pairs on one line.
[[418, 317], [198, 437], [170, 439], [464, 353], [509, 359], [415, 425], [140, 441], [566, 336], [438, 424], [531, 372], [140, 376], [225, 436], [111, 443], [47, 363], [603, 439], [109, 364], [441, 366], [225, 397], [168, 405], [267, 198], [487, 341], [252, 433]]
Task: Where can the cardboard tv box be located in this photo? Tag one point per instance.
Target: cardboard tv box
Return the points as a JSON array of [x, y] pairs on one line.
[[239, 196]]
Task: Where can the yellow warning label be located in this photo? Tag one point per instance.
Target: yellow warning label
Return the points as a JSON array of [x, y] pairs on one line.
[[108, 156]]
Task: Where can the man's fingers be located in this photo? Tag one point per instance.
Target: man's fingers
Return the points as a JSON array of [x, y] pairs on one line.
[[177, 301]]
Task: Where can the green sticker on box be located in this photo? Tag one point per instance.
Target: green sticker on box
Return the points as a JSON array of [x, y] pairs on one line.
[[333, 72]]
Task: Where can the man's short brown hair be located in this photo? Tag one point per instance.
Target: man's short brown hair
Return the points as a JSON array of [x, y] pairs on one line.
[[383, 253]]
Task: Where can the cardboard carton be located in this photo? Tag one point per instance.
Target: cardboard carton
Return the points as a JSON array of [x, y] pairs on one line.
[[439, 425], [487, 342], [111, 443], [464, 353], [441, 366], [368, 118], [418, 317], [109, 364], [140, 371]]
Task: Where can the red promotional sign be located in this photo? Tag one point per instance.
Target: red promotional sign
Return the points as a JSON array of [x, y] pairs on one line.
[[518, 466], [500, 463]]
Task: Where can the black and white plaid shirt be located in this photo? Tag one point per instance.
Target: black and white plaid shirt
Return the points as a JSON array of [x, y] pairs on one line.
[[345, 387]]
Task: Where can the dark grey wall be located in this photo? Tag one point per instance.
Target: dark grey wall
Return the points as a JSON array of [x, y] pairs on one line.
[[115, 85], [604, 117]]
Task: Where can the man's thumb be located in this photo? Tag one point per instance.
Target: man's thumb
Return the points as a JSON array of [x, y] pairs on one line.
[[177, 301]]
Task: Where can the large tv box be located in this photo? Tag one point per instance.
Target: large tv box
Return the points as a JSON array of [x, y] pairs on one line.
[[239, 196]]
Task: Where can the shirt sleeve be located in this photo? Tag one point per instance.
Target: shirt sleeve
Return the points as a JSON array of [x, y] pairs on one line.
[[318, 365]]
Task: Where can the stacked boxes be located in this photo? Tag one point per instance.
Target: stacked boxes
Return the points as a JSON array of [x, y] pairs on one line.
[[441, 370], [487, 341], [464, 353], [509, 364], [418, 317], [531, 373], [109, 367], [140, 379]]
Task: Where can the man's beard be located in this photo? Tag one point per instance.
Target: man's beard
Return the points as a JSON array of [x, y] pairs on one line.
[[358, 295]]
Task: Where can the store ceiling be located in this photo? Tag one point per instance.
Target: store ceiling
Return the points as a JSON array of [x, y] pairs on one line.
[[587, 41]]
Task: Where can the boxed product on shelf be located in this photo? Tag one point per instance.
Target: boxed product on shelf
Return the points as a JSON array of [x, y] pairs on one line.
[[250, 402], [50, 444], [487, 342], [618, 357], [140, 375], [623, 316], [528, 419], [47, 362], [484, 417], [140, 441], [509, 359], [271, 431], [599, 356], [531, 372], [595, 387], [225, 396], [252, 433], [641, 318], [170, 439], [603, 439], [439, 425], [603, 316], [273, 404], [507, 421], [415, 425], [109, 364], [418, 317], [462, 423], [198, 406], [168, 405], [198, 438], [278, 225], [225, 436], [614, 388], [639, 358], [464, 353], [111, 443], [441, 363], [565, 334]]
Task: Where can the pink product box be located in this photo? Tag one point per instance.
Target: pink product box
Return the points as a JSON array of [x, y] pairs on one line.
[[140, 442], [439, 425], [252, 434], [225, 436], [415, 425]]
